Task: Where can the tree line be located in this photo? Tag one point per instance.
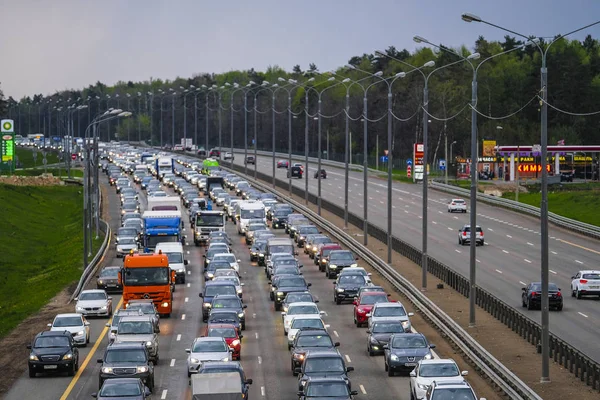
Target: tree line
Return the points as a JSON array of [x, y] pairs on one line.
[[506, 84]]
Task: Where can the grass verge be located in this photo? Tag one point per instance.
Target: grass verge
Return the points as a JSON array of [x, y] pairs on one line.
[[76, 173], [26, 158], [41, 245]]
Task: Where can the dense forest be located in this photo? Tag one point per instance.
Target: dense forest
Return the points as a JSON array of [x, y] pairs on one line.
[[508, 103]]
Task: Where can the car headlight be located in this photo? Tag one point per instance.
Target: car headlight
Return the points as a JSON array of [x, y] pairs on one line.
[[78, 308], [428, 356], [241, 315], [394, 357], [33, 357], [261, 255], [68, 356], [165, 304], [332, 266], [423, 387], [301, 238], [208, 261], [299, 356], [225, 359], [100, 282], [340, 290], [279, 293], [210, 275], [353, 265], [181, 270], [405, 324], [142, 368], [206, 305], [314, 248], [80, 333], [104, 307], [148, 344], [303, 383], [236, 342], [239, 290], [285, 309], [107, 370], [253, 253]]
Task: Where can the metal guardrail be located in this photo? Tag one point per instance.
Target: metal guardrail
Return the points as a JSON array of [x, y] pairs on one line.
[[576, 361], [93, 264], [563, 222], [493, 369]]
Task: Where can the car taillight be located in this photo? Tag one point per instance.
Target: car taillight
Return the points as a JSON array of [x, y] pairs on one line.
[[465, 234], [583, 281], [558, 294], [533, 294]]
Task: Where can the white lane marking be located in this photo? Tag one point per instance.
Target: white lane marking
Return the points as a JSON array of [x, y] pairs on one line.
[[362, 389], [456, 250], [582, 314], [392, 206], [188, 285], [172, 362], [370, 198], [178, 338], [183, 317], [254, 315], [259, 359], [527, 261], [336, 334], [262, 390], [508, 236], [578, 262], [256, 334], [498, 271], [531, 244], [348, 358], [504, 251], [433, 222], [490, 229], [455, 217], [381, 202], [186, 300], [522, 283], [477, 260], [440, 212], [553, 252], [450, 229], [189, 272], [554, 272], [163, 396]]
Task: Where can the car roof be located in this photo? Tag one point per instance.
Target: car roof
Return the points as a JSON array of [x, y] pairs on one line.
[[313, 332], [438, 361], [227, 296], [389, 304], [330, 353], [138, 317], [326, 379], [209, 339], [141, 301], [453, 384], [220, 364], [589, 271], [373, 294], [126, 345], [303, 303], [218, 283], [68, 315], [54, 333], [219, 325], [93, 291]]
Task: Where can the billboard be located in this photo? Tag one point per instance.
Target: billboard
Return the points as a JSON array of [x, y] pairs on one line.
[[489, 148], [418, 155]]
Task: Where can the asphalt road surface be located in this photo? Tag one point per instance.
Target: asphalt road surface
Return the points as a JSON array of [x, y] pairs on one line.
[[509, 260]]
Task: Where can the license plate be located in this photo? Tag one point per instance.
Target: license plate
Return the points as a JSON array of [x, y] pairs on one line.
[[594, 287], [410, 364], [50, 366]]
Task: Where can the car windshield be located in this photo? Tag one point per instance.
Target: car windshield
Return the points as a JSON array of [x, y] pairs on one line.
[[209, 220], [289, 261], [92, 296], [408, 342], [299, 323], [329, 364], [281, 213], [51, 341], [233, 279], [214, 290], [226, 272], [591, 276], [292, 282], [209, 346], [387, 328], [120, 389], [127, 241], [538, 287], [147, 308], [256, 227], [125, 356], [230, 317], [135, 328], [287, 270], [352, 279], [222, 332], [373, 298], [226, 303], [247, 214], [230, 258], [389, 312], [288, 249], [453, 393], [298, 297], [175, 258], [109, 273], [438, 370], [147, 276], [314, 341], [67, 321], [124, 232], [297, 309], [308, 230], [345, 257], [327, 389]]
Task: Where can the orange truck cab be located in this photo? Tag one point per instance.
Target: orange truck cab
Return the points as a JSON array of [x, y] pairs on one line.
[[148, 276]]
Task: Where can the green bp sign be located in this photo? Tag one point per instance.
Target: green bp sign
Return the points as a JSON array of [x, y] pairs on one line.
[[7, 143]]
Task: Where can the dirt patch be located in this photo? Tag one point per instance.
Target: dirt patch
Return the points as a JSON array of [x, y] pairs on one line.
[[42, 180], [514, 352]]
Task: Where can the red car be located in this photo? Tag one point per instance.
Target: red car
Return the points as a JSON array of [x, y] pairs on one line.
[[282, 164], [364, 304], [323, 253], [231, 336]]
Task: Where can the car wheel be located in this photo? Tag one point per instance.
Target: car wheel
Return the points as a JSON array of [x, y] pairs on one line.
[[32, 373], [529, 306], [559, 308], [189, 374], [294, 373], [71, 371], [370, 351], [523, 303], [578, 294], [338, 301], [412, 395], [100, 382], [277, 307], [390, 371], [151, 385], [572, 292], [385, 366]]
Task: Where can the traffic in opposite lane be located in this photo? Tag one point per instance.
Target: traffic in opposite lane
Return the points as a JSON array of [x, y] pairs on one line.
[[224, 290]]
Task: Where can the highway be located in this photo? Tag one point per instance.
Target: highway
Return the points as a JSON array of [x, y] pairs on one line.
[[265, 357], [509, 260]]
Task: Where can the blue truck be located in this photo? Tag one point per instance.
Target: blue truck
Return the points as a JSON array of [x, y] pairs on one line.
[[164, 165], [161, 226]]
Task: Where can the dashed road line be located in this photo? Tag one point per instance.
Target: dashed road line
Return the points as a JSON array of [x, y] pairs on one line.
[[259, 359], [522, 283], [336, 334], [189, 272], [579, 262], [582, 314], [163, 396], [178, 338], [498, 271], [508, 236], [553, 252], [348, 358], [189, 284], [256, 334], [554, 272], [183, 317], [458, 251], [504, 251], [490, 229], [186, 300], [433, 222], [172, 362], [362, 389], [262, 390], [527, 261], [530, 244], [450, 229]]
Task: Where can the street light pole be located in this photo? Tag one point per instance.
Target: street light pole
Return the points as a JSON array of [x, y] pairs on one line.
[[173, 120]]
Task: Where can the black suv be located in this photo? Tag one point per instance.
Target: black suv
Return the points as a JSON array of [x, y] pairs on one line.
[[286, 284], [323, 364], [230, 303], [294, 172], [310, 339], [127, 360], [250, 160], [53, 351]]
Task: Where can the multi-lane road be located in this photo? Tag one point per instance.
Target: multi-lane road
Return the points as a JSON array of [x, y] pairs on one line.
[[509, 260], [265, 357]]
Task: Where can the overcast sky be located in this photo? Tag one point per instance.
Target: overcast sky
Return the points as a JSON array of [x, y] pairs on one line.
[[47, 46]]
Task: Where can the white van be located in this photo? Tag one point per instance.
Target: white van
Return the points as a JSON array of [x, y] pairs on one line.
[[247, 210], [177, 263]]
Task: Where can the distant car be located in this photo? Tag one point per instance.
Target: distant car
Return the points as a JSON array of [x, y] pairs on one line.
[[53, 351], [585, 283], [131, 357], [123, 388], [457, 205], [206, 349], [74, 323], [229, 366], [178, 147], [295, 172], [139, 329], [323, 174], [364, 304], [228, 156], [146, 306], [250, 160], [214, 153], [126, 245], [390, 312], [108, 279], [301, 323], [428, 371], [94, 302], [379, 335], [532, 296], [230, 303], [297, 297], [455, 389], [322, 364], [231, 336], [326, 388], [566, 176], [464, 235], [307, 340], [297, 310], [345, 288], [282, 164], [405, 350]]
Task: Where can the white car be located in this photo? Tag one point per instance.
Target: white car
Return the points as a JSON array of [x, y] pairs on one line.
[[438, 370], [74, 323], [206, 349], [392, 311], [230, 258], [231, 278], [304, 322], [457, 205], [94, 303], [228, 156], [300, 309], [585, 283]]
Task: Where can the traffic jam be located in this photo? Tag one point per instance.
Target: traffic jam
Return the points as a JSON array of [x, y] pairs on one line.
[[238, 230]]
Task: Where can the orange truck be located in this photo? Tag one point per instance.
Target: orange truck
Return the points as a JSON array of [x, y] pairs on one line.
[[148, 276]]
